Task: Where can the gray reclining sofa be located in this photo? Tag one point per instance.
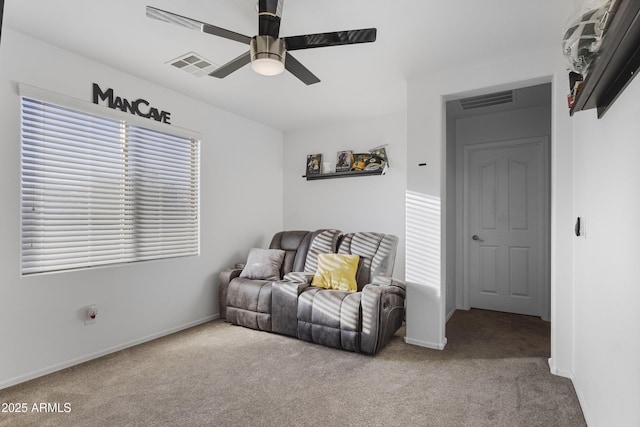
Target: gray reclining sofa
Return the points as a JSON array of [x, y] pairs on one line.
[[286, 303]]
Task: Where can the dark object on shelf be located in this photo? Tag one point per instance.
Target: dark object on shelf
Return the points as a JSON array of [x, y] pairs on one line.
[[344, 161], [575, 83], [573, 79], [314, 162], [617, 63], [346, 174]]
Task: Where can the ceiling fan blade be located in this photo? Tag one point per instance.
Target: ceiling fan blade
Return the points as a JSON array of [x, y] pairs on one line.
[[183, 21], [232, 66], [336, 38], [299, 70], [269, 15]]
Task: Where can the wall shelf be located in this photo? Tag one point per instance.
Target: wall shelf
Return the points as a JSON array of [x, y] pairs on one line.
[[346, 174], [617, 64]]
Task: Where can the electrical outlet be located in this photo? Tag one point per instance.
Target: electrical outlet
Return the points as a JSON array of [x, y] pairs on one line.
[[92, 314]]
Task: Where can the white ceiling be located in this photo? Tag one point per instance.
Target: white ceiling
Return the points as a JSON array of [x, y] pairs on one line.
[[414, 37]]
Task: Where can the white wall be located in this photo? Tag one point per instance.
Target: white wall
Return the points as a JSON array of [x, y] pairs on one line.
[[503, 126], [452, 234], [606, 262], [369, 203], [41, 316], [426, 95], [595, 322]]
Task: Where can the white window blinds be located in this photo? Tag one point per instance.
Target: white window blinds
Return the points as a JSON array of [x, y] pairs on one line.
[[99, 191]]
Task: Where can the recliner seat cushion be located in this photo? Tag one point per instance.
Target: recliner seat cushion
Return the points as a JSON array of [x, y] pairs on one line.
[[330, 317], [249, 303]]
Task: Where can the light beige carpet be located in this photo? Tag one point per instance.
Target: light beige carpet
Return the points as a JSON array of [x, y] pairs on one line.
[[493, 372]]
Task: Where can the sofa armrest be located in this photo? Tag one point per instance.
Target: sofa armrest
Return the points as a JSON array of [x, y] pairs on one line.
[[299, 277], [382, 312], [389, 281], [224, 278], [284, 308]]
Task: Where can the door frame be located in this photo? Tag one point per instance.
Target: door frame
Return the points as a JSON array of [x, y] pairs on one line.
[[463, 238]]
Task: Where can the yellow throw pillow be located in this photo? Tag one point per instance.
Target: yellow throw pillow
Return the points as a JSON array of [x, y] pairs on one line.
[[336, 271]]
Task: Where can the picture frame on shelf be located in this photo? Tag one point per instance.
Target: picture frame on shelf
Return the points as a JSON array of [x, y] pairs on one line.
[[344, 161], [381, 153], [314, 164], [367, 161], [360, 161]]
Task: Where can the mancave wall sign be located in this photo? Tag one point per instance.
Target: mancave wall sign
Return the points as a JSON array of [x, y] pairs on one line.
[[139, 107]]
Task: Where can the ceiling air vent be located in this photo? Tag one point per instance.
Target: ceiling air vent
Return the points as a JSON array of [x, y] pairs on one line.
[[194, 64], [489, 100]]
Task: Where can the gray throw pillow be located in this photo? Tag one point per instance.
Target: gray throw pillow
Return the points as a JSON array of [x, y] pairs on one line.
[[263, 264]]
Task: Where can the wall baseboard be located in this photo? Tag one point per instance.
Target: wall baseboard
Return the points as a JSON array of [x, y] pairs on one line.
[[76, 361], [559, 372], [434, 346], [570, 375], [582, 401]]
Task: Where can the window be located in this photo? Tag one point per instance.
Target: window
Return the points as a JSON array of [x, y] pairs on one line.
[[99, 191]]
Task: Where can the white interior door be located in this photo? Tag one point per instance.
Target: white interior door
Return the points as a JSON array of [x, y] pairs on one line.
[[506, 193]]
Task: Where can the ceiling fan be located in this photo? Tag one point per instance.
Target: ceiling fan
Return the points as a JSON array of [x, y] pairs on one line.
[[269, 53]]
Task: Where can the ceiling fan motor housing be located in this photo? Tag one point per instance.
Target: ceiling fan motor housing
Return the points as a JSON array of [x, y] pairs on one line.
[[267, 50]]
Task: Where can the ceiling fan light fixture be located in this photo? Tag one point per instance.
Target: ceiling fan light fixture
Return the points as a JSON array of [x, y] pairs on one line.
[[268, 66], [267, 55]]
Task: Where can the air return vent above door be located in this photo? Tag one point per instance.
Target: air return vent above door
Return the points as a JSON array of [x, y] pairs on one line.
[[506, 97]]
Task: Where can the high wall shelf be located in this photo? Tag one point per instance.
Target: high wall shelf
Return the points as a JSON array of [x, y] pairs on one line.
[[345, 174], [616, 65]]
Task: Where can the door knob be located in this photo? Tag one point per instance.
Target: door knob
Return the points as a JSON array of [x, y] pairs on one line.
[[476, 238]]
